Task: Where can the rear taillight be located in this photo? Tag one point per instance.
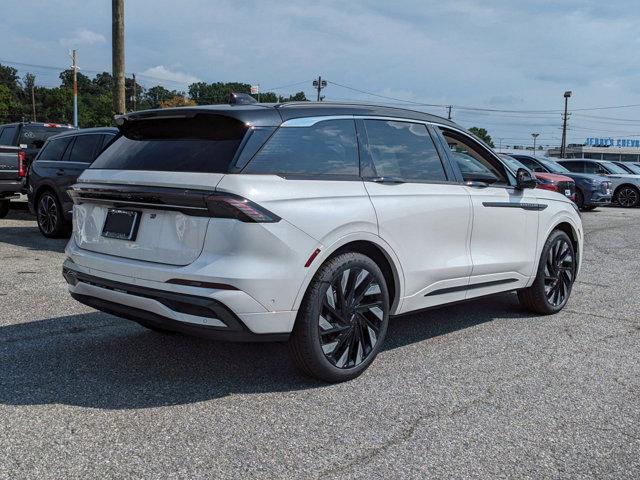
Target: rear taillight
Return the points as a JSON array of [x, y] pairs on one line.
[[22, 164], [224, 205]]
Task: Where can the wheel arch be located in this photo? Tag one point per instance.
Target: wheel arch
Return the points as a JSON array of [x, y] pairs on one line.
[[373, 247], [573, 231]]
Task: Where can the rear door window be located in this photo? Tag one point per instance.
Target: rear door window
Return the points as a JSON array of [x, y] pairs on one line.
[[54, 149], [403, 150], [204, 143], [7, 136], [328, 147], [84, 148]]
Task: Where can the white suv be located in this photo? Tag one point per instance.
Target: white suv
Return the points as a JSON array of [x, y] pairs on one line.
[[312, 223]]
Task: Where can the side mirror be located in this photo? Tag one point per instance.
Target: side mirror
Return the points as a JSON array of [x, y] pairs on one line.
[[525, 179]]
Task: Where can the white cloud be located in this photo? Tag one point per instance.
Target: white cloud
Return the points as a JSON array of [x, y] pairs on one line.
[[83, 36], [161, 72]]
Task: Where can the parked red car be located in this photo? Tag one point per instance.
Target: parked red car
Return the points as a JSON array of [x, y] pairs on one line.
[[547, 181]]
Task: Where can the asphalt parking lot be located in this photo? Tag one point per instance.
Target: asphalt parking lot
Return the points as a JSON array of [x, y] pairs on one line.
[[477, 390]]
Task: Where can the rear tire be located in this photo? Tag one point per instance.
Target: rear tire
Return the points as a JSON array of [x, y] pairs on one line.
[[50, 217], [4, 208], [551, 289], [343, 319]]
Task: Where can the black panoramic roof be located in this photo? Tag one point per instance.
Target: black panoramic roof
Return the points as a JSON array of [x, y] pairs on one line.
[[270, 114]]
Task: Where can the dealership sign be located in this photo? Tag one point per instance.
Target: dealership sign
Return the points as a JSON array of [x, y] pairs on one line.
[[613, 142]]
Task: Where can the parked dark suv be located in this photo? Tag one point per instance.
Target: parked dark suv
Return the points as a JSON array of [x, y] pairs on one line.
[[62, 159], [19, 144], [592, 190]]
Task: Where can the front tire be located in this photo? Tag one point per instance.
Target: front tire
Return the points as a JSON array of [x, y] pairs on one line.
[[579, 199], [50, 217], [551, 289], [343, 319], [628, 196], [4, 208]]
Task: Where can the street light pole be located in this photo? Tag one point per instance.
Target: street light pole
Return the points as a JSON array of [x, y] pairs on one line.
[[534, 135], [563, 145]]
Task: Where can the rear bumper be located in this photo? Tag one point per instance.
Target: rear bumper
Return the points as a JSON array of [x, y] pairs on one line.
[[203, 316], [8, 188]]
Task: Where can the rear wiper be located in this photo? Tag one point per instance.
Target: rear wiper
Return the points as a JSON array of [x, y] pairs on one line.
[[388, 180]]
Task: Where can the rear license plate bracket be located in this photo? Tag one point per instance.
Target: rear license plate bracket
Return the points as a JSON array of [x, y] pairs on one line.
[[121, 224]]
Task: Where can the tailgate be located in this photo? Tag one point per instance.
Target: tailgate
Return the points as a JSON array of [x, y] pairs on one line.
[[171, 220], [9, 163]]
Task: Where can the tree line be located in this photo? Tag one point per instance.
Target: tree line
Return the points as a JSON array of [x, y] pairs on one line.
[[95, 97]]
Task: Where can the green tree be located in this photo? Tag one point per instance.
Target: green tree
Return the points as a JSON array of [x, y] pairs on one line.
[[483, 135]]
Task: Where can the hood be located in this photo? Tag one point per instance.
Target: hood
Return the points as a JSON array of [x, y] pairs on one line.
[[585, 176], [552, 177]]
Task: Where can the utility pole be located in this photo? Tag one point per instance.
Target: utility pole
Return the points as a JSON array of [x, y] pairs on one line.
[[534, 135], [75, 88], [563, 145], [319, 84], [135, 94], [117, 54], [33, 101], [449, 109]]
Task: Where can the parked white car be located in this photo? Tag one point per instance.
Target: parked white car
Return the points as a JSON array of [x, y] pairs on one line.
[[312, 223], [625, 186]]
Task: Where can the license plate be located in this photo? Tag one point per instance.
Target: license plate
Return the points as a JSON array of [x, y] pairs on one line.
[[567, 193], [121, 224]]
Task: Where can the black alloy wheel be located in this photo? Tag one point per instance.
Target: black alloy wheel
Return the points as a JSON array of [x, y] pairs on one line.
[[351, 317], [49, 215], [628, 197], [559, 272], [555, 276], [343, 318]]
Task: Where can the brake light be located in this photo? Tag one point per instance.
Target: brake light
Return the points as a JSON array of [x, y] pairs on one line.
[[22, 164], [226, 205]]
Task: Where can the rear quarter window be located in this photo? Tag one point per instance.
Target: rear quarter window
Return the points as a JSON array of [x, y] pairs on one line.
[[326, 148]]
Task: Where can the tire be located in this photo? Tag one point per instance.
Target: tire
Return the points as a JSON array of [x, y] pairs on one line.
[[589, 208], [579, 199], [627, 196], [4, 208], [551, 289], [343, 319], [50, 217]]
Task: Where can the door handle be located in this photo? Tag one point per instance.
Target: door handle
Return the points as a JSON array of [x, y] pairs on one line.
[[476, 184], [387, 180]]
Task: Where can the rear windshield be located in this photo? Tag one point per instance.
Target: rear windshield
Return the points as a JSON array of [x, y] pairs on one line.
[[35, 135], [204, 143]]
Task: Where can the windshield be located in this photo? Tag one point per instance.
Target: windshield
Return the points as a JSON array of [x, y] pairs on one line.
[[553, 166], [613, 168], [512, 163], [35, 135], [633, 167]]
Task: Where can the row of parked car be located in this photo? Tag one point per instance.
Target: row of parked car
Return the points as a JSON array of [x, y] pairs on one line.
[[45, 174]]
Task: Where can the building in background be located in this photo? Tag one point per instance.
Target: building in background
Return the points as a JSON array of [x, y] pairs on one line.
[[613, 149]]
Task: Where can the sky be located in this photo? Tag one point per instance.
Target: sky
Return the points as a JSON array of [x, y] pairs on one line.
[[513, 55]]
